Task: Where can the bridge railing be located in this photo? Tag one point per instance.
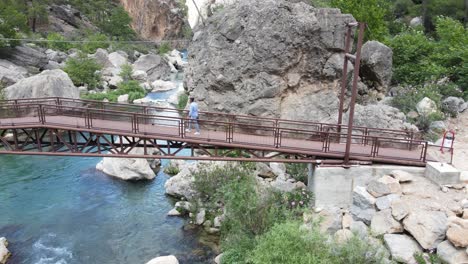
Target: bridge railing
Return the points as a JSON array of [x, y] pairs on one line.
[[270, 133], [253, 120]]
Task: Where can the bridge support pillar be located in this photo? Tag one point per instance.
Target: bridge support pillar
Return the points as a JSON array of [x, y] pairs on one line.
[[310, 176]]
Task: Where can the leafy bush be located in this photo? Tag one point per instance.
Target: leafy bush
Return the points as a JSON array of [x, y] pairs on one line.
[[96, 41], [372, 12], [424, 122], [408, 98], [171, 170], [298, 171], [183, 99], [289, 242], [118, 25], [132, 88], [164, 48], [11, 19], [57, 42], [126, 72], [83, 71]]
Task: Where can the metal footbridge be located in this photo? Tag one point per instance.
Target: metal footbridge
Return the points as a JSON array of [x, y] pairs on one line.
[[73, 127]]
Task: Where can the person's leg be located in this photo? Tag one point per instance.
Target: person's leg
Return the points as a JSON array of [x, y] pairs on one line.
[[189, 125], [197, 127]]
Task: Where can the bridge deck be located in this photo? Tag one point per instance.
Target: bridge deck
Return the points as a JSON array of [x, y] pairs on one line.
[[303, 140]]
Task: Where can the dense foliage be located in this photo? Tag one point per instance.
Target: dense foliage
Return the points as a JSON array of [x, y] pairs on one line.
[[132, 88], [372, 12], [83, 71], [264, 226]]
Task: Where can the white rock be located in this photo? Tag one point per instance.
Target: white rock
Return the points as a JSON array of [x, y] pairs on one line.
[[122, 98], [427, 227], [402, 247], [48, 83], [426, 106], [402, 176], [174, 212], [384, 223], [363, 199], [283, 186], [217, 260], [279, 169], [450, 254], [183, 206], [11, 73], [117, 59], [416, 22], [200, 218], [114, 81], [164, 260], [347, 221], [160, 85], [400, 209], [364, 215], [4, 253], [127, 168], [139, 75], [383, 186], [386, 201]]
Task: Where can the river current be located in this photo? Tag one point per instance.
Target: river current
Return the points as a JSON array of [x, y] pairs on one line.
[[61, 210]]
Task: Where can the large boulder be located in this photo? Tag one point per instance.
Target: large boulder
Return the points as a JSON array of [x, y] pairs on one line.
[[454, 105], [11, 73], [426, 107], [384, 223], [154, 65], [129, 169], [376, 65], [49, 83], [4, 253], [27, 56], [427, 227], [383, 186], [247, 61], [402, 247], [363, 199]]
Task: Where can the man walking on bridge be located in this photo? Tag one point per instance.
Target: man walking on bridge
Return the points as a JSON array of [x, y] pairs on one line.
[[193, 115]]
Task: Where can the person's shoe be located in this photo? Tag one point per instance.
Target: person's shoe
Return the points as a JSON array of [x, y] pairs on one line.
[[197, 133], [188, 130]]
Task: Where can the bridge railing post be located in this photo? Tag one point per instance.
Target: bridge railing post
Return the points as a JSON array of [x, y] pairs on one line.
[[41, 114]]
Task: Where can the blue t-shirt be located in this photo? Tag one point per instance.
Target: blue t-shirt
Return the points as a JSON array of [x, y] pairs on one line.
[[193, 110]]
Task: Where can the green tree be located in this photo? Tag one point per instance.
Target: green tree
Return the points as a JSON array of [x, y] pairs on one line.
[[83, 71], [95, 41], [37, 12], [372, 12], [118, 25], [58, 42], [11, 22]]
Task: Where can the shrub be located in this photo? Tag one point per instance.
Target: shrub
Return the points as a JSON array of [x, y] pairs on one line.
[[164, 48], [298, 171], [408, 98], [372, 12], [424, 122], [132, 88], [183, 99], [126, 72], [118, 25], [83, 71], [57, 42], [96, 41], [171, 170]]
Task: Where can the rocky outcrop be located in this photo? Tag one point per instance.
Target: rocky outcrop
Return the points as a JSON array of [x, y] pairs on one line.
[[247, 49], [11, 73], [33, 58], [65, 19], [164, 260], [376, 66], [454, 105], [129, 169], [4, 253], [49, 83], [154, 65], [156, 20], [381, 116]]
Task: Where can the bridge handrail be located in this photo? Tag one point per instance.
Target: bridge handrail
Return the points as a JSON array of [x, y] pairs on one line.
[[57, 100]]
